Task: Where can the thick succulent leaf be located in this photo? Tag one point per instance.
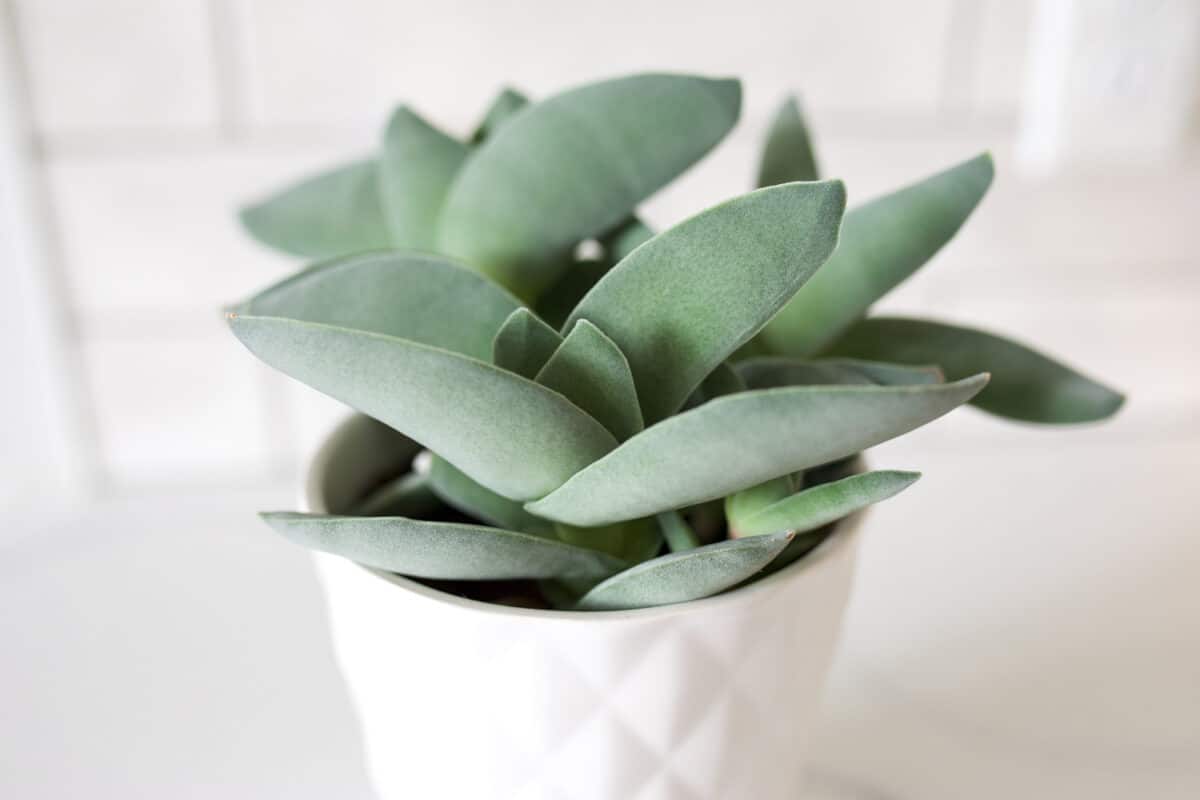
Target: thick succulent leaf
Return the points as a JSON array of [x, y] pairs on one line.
[[677, 532], [633, 542], [332, 214], [574, 165], [418, 164], [508, 433], [460, 492], [441, 550], [769, 371], [689, 575], [811, 508], [682, 302], [524, 343], [625, 238], [502, 108], [886, 374], [748, 502], [556, 304], [408, 495], [883, 242], [590, 371], [734, 442], [788, 154], [1026, 385], [425, 298]]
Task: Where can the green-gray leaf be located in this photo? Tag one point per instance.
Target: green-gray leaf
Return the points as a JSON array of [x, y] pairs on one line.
[[572, 166], [408, 495], [633, 542], [425, 298], [741, 440], [677, 532], [1026, 385], [682, 302], [524, 343], [883, 242], [788, 154], [441, 550], [748, 502], [459, 491], [418, 164], [590, 371], [689, 575], [508, 433], [335, 213], [820, 505], [503, 106], [769, 371]]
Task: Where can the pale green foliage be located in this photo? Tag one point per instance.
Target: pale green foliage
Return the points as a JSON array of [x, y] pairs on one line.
[[663, 419]]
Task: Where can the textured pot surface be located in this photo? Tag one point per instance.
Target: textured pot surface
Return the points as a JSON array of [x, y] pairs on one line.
[[709, 699]]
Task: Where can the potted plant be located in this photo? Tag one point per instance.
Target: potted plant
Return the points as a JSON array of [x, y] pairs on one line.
[[592, 532]]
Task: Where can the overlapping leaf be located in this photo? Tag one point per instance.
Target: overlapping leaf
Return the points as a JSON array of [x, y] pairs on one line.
[[572, 166], [502, 108], [425, 298], [460, 492], [678, 534], [335, 213], [811, 508], [441, 550], [416, 169], [882, 243], [788, 154], [524, 343], [590, 371], [765, 372], [688, 575], [633, 542], [682, 302], [1026, 385], [741, 440], [515, 437]]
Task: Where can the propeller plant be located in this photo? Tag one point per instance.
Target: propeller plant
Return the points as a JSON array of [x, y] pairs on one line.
[[650, 419]]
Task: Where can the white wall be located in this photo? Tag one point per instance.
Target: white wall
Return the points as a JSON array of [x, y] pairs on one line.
[[154, 120]]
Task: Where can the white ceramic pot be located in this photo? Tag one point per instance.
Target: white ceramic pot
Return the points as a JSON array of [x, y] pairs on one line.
[[463, 699]]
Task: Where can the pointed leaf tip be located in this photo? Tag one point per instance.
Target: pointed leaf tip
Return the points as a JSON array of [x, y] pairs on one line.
[[742, 440], [1026, 385], [506, 432], [882, 243], [622, 139], [679, 304]]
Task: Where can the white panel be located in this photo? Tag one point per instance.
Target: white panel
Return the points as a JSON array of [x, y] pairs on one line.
[[41, 451], [1110, 81], [160, 231], [999, 73], [320, 63], [118, 64]]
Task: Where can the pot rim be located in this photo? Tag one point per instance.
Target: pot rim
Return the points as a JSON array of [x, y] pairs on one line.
[[837, 545]]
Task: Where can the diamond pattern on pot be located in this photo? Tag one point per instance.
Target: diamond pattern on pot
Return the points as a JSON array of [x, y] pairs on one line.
[[704, 701]]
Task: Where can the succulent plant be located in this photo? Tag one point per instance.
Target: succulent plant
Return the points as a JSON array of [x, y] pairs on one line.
[[619, 417]]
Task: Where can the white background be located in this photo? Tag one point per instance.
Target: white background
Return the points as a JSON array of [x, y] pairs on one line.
[[1027, 615]]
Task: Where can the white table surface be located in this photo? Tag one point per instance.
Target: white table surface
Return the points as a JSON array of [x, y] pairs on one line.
[[1026, 624]]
